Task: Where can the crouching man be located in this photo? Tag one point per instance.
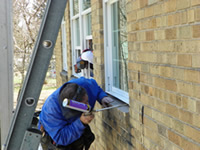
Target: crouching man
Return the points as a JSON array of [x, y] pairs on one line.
[[68, 129]]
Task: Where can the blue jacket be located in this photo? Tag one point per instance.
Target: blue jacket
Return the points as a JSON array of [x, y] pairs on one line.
[[60, 123]]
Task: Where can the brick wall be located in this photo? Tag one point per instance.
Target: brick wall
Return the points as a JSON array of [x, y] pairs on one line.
[[68, 34], [98, 41], [164, 78], [59, 58], [164, 46]]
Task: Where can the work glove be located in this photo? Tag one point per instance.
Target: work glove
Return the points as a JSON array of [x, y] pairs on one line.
[[106, 101]]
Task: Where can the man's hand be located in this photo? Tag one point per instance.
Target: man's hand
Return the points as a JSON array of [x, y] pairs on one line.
[[106, 101], [86, 119]]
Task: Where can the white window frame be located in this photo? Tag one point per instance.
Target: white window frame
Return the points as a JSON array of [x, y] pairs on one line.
[[83, 37], [116, 92], [64, 45]]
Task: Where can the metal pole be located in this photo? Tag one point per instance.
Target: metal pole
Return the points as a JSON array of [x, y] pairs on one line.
[[6, 68], [38, 67]]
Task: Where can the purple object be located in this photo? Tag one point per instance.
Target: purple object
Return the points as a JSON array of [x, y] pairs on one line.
[[76, 105]]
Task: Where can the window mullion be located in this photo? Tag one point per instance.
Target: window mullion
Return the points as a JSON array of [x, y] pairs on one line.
[[64, 47], [81, 25]]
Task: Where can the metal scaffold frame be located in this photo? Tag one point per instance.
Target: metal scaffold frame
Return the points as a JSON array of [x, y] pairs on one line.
[[21, 136], [6, 68]]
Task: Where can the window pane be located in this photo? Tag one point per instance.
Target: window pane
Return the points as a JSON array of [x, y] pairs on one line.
[[119, 45], [75, 7], [86, 4], [77, 53], [77, 28], [89, 28], [89, 44]]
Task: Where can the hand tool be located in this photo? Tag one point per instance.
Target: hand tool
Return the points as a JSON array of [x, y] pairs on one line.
[[72, 104], [111, 107]]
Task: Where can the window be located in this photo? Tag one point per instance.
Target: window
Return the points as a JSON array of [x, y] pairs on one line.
[[64, 47], [86, 4], [80, 28], [88, 25], [77, 32], [75, 7], [116, 48]]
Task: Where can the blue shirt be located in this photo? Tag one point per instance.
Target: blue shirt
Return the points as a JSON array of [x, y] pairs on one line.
[[59, 122]]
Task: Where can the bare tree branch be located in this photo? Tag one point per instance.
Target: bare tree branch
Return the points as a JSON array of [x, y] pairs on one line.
[[26, 20]]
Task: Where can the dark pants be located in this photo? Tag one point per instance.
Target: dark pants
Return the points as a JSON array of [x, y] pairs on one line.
[[83, 142]]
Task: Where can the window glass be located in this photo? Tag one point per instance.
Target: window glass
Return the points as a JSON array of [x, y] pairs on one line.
[[86, 4], [77, 28], [89, 44], [119, 45], [88, 22], [75, 7], [78, 53]]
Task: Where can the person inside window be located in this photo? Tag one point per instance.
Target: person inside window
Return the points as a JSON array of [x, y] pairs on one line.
[[85, 61]]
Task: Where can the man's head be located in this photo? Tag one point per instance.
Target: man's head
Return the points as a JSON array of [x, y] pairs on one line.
[[84, 61], [75, 92]]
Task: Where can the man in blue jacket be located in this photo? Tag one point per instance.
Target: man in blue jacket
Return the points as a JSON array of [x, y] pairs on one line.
[[67, 129]]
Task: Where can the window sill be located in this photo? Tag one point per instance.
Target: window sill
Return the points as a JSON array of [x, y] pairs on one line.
[[123, 97], [124, 109]]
